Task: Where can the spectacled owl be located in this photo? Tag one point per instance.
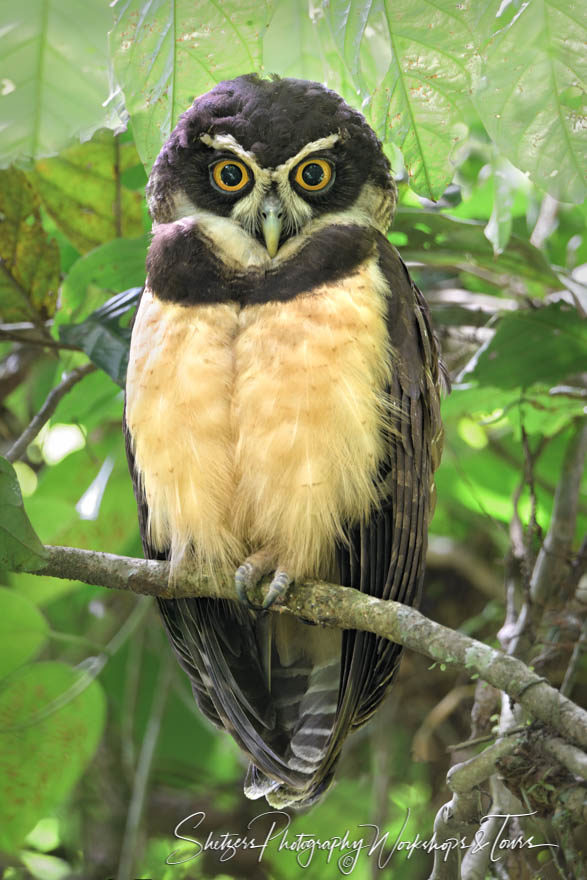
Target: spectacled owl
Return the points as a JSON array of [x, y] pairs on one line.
[[282, 413]]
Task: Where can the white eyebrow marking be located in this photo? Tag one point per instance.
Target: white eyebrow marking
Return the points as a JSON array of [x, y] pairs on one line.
[[313, 147], [227, 142]]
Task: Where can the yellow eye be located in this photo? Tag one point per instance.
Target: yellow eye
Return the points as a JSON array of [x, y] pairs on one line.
[[313, 174], [230, 175]]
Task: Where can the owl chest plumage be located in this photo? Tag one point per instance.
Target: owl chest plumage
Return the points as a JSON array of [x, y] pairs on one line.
[[260, 427]]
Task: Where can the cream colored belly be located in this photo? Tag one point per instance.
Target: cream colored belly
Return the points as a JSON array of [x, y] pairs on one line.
[[259, 428]]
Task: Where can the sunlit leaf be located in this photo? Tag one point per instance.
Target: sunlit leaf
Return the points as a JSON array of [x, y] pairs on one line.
[[83, 192], [499, 227], [29, 260], [532, 90], [20, 547], [23, 630], [422, 102], [167, 52], [43, 753], [45, 867], [309, 51], [54, 75]]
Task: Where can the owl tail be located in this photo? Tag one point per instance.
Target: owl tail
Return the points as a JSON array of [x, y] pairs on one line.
[[306, 699]]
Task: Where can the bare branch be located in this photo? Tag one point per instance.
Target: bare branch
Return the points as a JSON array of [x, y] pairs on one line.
[[346, 608], [18, 449], [573, 759]]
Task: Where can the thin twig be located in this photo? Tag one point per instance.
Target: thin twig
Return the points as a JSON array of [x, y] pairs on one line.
[[19, 448], [553, 560], [342, 607], [36, 340]]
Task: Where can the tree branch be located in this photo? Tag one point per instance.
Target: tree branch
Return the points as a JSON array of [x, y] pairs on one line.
[[343, 607], [18, 449]]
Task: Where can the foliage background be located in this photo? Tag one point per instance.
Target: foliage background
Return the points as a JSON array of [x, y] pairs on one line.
[[478, 103]]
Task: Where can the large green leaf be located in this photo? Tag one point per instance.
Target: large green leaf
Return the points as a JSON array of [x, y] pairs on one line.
[[83, 192], [423, 99], [46, 742], [113, 267], [102, 336], [20, 547], [29, 260], [531, 94], [539, 345], [54, 75], [167, 52], [23, 629], [309, 52]]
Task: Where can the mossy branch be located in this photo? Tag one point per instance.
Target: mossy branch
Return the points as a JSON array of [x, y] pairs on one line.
[[342, 607]]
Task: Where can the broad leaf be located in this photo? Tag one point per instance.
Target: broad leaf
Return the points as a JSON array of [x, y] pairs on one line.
[[114, 266], [29, 260], [423, 100], [538, 345], [46, 742], [83, 192], [102, 337], [23, 629], [54, 75], [167, 52], [20, 547], [531, 94], [309, 51]]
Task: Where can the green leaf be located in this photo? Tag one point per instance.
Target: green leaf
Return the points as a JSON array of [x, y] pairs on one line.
[[29, 260], [20, 547], [499, 227], [23, 629], [45, 867], [102, 337], [539, 345], [423, 100], [309, 52], [45, 743], [111, 268], [529, 94], [54, 75], [167, 52], [437, 239], [83, 192]]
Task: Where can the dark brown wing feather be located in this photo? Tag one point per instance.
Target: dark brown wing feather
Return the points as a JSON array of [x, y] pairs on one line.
[[385, 556]]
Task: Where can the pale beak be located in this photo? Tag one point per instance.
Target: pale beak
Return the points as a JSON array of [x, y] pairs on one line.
[[271, 222]]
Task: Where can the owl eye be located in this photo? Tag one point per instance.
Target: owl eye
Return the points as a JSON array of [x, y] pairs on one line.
[[313, 174], [230, 175]]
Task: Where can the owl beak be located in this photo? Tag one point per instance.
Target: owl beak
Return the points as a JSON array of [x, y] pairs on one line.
[[271, 222]]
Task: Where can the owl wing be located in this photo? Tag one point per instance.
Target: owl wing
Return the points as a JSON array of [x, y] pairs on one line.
[[385, 556]]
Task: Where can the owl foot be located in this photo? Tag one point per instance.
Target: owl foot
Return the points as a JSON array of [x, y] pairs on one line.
[[247, 575], [277, 588], [250, 573]]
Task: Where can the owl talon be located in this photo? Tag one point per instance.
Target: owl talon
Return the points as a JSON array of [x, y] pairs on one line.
[[246, 576], [277, 588]]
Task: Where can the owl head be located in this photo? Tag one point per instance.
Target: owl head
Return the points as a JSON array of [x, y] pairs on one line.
[[270, 161]]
